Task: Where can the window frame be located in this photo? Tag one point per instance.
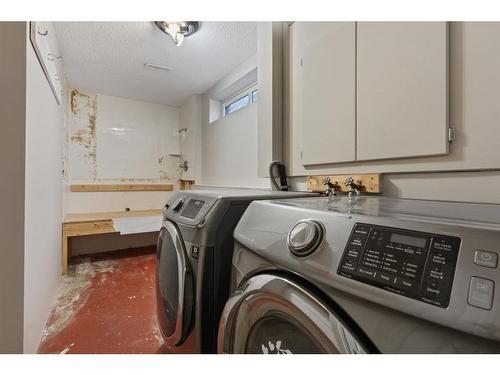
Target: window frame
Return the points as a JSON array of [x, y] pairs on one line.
[[247, 91]]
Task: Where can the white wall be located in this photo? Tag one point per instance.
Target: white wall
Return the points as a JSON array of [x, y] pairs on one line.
[[229, 144], [270, 111], [119, 140], [230, 150], [190, 141], [44, 139], [12, 146]]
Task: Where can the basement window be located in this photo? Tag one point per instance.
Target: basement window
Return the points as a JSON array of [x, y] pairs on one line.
[[255, 96], [240, 100], [237, 104]]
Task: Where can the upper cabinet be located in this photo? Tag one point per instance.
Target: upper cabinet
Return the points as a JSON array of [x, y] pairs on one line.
[[402, 89], [369, 90], [324, 89]]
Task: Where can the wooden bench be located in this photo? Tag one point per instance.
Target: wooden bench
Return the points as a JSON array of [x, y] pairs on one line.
[[75, 225]]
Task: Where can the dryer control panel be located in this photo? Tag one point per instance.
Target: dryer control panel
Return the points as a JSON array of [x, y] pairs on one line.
[[415, 264]]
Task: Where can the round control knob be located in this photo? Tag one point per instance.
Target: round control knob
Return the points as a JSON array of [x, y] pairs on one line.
[[305, 237]]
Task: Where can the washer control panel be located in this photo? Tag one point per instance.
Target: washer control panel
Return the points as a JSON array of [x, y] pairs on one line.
[[193, 207], [415, 264], [189, 208]]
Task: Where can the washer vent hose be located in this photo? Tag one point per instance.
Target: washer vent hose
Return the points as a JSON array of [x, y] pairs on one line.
[[281, 175]]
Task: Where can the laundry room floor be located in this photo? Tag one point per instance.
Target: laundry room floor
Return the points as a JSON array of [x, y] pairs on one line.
[[106, 304]]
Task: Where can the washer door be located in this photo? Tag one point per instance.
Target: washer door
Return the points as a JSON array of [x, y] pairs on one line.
[[174, 285], [272, 315]]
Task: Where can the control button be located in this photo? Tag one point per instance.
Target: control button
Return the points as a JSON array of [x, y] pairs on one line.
[[194, 252], [367, 272], [433, 292], [371, 263], [389, 259], [353, 252], [348, 266], [357, 241], [442, 244], [438, 259], [436, 273], [406, 284], [409, 250], [361, 230], [372, 256], [375, 253], [409, 274], [390, 269], [481, 293], [486, 258], [386, 278]]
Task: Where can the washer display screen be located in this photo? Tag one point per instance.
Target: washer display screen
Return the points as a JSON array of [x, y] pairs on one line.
[[408, 240], [192, 208]]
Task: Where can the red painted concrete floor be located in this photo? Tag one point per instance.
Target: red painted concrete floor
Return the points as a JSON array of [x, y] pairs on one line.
[[107, 304]]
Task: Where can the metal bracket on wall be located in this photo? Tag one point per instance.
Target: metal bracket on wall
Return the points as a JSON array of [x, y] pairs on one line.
[[368, 183], [451, 135]]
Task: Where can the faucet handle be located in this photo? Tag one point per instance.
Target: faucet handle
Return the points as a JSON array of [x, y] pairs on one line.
[[331, 187], [349, 182], [353, 186]]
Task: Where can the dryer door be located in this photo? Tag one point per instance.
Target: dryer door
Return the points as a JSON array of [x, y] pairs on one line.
[[273, 315], [174, 285]]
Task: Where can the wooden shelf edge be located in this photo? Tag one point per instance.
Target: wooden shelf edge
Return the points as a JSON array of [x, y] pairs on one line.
[[121, 187]]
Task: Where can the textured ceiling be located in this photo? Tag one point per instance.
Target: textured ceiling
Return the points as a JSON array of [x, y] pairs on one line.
[[109, 57]]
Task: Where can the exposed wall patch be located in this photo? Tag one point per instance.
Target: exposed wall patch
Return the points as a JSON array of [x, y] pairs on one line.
[[126, 141], [83, 129]]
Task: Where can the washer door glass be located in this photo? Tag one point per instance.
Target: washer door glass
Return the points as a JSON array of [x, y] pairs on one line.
[[280, 334], [270, 314], [174, 285]]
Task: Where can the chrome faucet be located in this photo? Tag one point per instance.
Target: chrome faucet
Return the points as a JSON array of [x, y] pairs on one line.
[[352, 186], [331, 188]]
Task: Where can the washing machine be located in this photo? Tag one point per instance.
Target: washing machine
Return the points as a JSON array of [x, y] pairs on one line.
[[364, 275], [194, 253]]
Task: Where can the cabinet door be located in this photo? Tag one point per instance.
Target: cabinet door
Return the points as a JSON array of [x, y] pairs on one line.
[[324, 89], [402, 89]]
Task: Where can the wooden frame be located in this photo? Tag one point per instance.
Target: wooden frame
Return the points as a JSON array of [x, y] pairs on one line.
[[186, 184], [75, 225], [121, 187], [371, 183]]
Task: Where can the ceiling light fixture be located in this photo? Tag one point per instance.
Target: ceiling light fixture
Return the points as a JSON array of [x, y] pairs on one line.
[[178, 30]]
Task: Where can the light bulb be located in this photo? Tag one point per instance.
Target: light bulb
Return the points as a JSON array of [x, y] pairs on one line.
[[178, 39], [174, 30], [178, 30]]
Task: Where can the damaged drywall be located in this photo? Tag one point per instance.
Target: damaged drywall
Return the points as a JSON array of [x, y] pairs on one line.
[[168, 168], [82, 133], [119, 140]]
